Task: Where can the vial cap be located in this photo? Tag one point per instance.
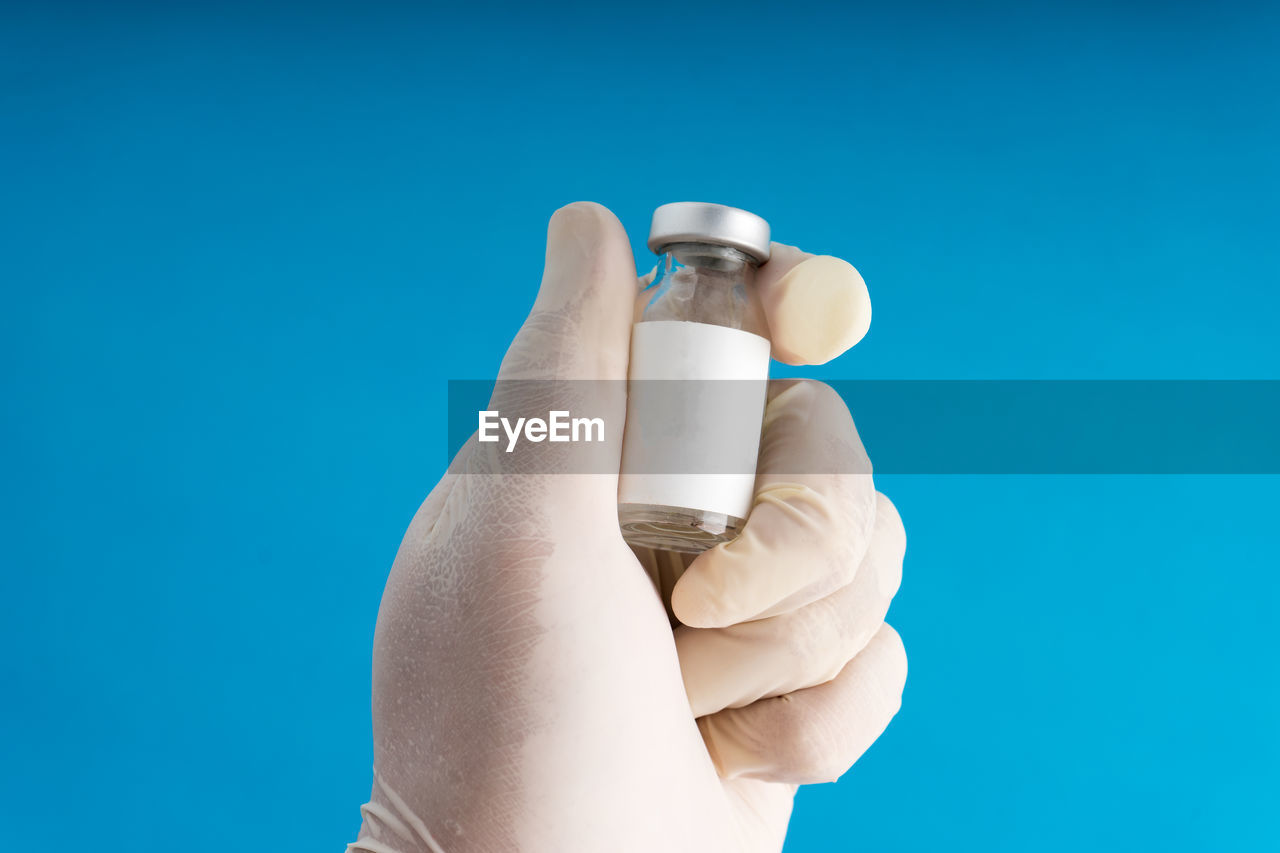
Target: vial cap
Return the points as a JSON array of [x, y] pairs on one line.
[[702, 222]]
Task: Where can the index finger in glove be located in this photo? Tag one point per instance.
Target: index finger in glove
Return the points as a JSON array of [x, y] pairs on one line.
[[817, 305], [811, 522]]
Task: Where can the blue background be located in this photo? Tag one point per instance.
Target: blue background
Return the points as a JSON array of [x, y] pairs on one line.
[[243, 249]]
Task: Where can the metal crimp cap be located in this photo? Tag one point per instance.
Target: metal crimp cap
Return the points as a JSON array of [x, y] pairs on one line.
[[701, 222]]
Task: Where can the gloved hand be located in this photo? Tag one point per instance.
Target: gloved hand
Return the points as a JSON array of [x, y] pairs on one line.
[[529, 692]]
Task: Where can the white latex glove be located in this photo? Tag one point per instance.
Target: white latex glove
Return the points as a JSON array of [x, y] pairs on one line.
[[529, 692]]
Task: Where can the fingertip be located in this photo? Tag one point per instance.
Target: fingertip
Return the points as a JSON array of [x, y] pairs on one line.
[[819, 309], [579, 211], [693, 603], [580, 324], [713, 592], [583, 229]]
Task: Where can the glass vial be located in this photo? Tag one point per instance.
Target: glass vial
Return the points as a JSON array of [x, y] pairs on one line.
[[702, 326]]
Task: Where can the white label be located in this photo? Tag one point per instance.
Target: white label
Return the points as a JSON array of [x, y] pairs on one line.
[[694, 443]]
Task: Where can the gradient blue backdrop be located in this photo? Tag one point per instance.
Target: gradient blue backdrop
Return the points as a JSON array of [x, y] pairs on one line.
[[243, 249]]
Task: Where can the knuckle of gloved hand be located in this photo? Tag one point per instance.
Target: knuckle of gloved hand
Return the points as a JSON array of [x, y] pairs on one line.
[[847, 545], [856, 630], [809, 401], [822, 398], [891, 579], [828, 407], [832, 530], [857, 513], [814, 642], [885, 569], [889, 520], [842, 560], [809, 753]]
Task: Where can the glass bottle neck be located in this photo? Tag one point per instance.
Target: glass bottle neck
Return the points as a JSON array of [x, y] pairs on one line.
[[706, 283], [710, 256]]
